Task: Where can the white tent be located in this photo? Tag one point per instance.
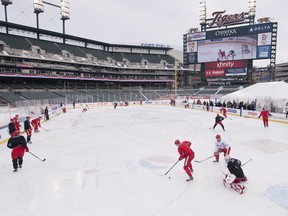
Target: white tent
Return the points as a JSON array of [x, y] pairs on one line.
[[264, 93]]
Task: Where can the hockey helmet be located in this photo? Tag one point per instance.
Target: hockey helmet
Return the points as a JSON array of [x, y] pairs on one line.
[[27, 117], [177, 142], [218, 136]]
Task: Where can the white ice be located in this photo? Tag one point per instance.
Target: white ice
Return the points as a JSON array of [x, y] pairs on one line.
[[110, 162]]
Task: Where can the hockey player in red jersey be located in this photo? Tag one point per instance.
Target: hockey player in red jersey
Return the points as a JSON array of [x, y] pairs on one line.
[[265, 115], [19, 145], [36, 123], [17, 122], [186, 153], [221, 146], [236, 176], [223, 110]]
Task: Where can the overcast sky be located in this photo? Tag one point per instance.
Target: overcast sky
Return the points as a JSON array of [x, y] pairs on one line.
[[136, 22]]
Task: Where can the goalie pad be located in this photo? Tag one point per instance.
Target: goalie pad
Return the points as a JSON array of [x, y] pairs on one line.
[[237, 187], [230, 178]]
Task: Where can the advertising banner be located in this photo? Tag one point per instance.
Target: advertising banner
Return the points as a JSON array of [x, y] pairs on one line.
[[236, 71], [226, 64], [263, 52], [215, 73], [239, 31]]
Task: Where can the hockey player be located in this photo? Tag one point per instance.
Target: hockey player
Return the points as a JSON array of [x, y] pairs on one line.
[[28, 129], [36, 123], [17, 122], [223, 110], [19, 145], [221, 146], [63, 108], [265, 114], [85, 108], [11, 127], [186, 153], [115, 105], [46, 113], [236, 176], [218, 120]]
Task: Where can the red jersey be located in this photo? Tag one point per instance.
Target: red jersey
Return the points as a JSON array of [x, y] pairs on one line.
[[184, 149], [35, 121], [223, 110], [16, 123], [265, 114]]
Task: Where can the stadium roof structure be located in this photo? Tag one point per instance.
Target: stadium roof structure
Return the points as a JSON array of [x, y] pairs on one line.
[[76, 38], [277, 90]]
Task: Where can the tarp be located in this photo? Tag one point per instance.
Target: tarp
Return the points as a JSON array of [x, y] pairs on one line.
[[272, 90]]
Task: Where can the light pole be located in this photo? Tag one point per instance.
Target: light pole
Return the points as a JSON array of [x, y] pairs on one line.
[[6, 3], [252, 11], [38, 8], [202, 15], [65, 15]]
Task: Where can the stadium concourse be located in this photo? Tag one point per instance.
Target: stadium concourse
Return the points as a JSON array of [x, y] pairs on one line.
[[110, 161]]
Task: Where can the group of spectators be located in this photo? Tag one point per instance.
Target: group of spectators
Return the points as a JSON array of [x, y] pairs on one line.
[[229, 104]]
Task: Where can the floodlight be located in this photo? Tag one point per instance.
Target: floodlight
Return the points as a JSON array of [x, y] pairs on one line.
[[252, 8], [202, 10], [65, 11], [6, 2], [38, 6]]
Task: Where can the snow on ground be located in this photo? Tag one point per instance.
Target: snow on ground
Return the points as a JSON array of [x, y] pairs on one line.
[[112, 162]]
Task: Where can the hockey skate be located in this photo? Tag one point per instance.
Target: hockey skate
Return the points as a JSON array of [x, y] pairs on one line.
[[190, 178]]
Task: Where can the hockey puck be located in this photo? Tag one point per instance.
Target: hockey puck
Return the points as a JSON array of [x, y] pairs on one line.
[[169, 177]]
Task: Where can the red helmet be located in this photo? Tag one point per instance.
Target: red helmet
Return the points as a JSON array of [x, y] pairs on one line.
[[177, 142], [218, 136], [27, 117]]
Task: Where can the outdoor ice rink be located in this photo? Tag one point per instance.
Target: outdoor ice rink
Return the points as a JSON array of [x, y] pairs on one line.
[[108, 162]]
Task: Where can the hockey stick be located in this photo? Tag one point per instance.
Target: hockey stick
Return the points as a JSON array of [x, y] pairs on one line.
[[246, 162], [37, 156], [197, 161], [45, 129], [171, 167]]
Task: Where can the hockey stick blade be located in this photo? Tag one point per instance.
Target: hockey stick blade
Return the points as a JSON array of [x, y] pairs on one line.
[[197, 161]]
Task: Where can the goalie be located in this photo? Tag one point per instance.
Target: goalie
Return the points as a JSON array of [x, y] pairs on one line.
[[235, 177]]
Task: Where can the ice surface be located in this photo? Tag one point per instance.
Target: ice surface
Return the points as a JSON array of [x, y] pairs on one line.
[[112, 162]]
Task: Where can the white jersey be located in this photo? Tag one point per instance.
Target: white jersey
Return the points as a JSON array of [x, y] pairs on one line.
[[222, 144]]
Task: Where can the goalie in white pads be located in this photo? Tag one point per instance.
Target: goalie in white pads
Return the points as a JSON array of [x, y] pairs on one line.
[[235, 177]]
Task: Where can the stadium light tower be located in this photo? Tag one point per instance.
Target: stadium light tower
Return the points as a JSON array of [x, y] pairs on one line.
[[252, 11], [6, 3], [202, 15], [65, 15], [38, 8]]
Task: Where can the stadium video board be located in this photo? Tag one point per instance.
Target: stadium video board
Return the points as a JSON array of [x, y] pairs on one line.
[[225, 52], [238, 43]]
